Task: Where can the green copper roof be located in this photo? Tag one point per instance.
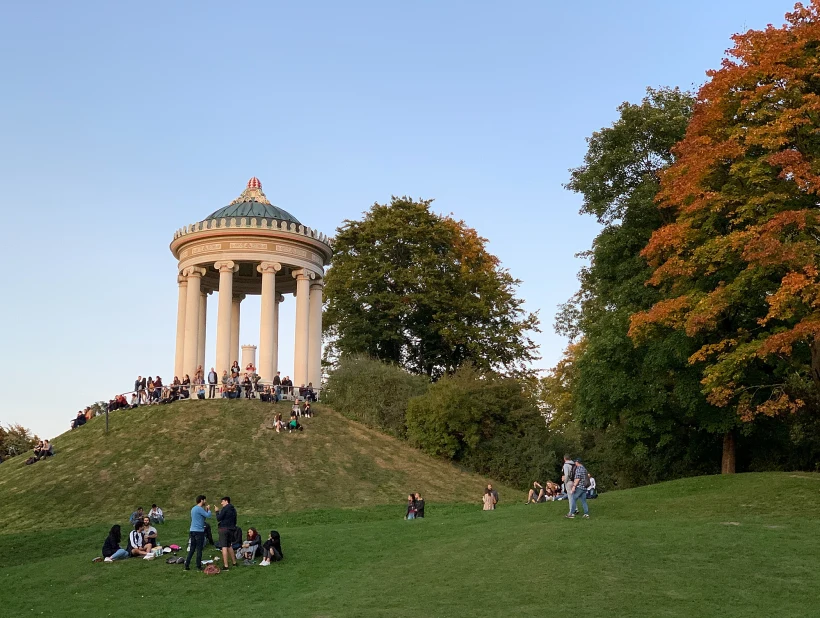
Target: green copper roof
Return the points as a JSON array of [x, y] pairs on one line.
[[253, 203], [252, 209]]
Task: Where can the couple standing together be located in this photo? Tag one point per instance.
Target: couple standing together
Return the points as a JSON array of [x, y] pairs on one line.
[[576, 481]]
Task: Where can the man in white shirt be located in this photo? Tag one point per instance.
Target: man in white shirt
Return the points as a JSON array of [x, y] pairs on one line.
[[155, 515]]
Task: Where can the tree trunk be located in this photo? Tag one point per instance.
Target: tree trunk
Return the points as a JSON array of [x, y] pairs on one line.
[[727, 465], [814, 347]]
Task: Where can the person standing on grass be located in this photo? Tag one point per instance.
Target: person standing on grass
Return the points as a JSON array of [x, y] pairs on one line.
[[227, 531], [493, 492], [419, 506], [579, 489], [566, 479], [196, 537], [489, 501]]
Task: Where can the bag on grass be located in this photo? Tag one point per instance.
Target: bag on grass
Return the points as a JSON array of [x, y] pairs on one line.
[[211, 569]]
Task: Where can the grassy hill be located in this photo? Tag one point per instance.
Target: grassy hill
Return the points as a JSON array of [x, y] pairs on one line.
[[169, 454], [729, 547]]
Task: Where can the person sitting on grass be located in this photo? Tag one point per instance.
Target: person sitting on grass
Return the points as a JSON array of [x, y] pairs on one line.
[[294, 425], [411, 507], [250, 547], [136, 516], [79, 421], [47, 450], [307, 412], [111, 550], [551, 490], [279, 424], [136, 543], [155, 515], [296, 409], [536, 493], [272, 549], [149, 533]]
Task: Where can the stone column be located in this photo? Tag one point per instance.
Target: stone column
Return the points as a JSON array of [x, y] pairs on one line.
[[223, 318], [315, 335], [266, 319], [275, 365], [179, 359], [248, 356], [193, 296], [300, 351], [200, 349], [237, 299]]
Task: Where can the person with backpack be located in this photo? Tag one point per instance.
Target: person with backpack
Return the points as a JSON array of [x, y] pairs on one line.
[[580, 482]]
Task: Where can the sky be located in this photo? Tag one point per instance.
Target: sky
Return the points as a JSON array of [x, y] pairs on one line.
[[122, 122]]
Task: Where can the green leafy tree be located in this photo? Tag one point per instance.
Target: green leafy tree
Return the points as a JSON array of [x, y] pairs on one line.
[[644, 401], [418, 289], [488, 423], [15, 440]]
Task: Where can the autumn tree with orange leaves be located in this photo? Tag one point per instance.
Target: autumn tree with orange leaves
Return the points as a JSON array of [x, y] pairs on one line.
[[737, 266]]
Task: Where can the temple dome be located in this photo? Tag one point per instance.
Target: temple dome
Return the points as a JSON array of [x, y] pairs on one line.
[[253, 203]]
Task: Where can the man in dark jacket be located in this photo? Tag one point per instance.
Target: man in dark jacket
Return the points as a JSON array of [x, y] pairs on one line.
[[226, 518]]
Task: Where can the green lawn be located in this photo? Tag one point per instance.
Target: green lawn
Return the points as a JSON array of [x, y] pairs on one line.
[[740, 546], [168, 454]]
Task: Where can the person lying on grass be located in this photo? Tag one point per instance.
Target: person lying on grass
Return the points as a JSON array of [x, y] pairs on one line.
[[111, 549], [136, 543]]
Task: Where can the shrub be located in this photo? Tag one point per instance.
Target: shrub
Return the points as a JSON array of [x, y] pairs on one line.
[[487, 423], [373, 392]]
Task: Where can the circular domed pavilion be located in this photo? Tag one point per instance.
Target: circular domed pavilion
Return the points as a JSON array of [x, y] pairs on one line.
[[250, 247]]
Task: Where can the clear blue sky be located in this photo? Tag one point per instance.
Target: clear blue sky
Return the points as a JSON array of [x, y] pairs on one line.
[[122, 123]]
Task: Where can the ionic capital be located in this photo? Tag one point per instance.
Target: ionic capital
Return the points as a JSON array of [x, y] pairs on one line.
[[182, 281], [226, 266], [269, 267], [280, 298], [238, 298], [317, 285], [194, 271], [303, 273]]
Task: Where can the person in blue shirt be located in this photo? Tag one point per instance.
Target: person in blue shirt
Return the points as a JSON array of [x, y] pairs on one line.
[[196, 539]]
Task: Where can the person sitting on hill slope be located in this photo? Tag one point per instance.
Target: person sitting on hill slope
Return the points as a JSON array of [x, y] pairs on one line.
[[156, 515], [136, 516], [149, 533]]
